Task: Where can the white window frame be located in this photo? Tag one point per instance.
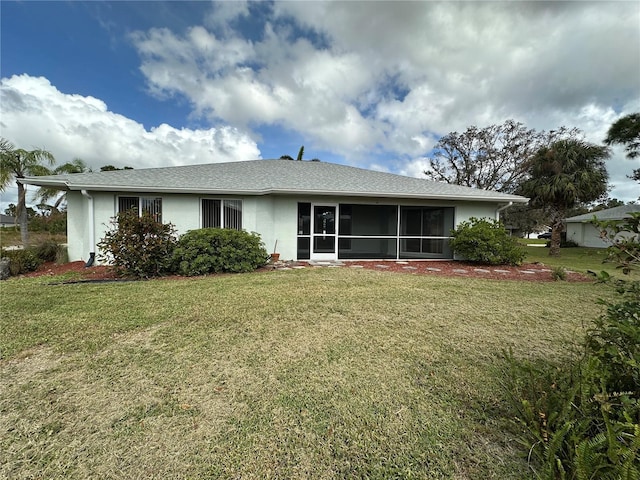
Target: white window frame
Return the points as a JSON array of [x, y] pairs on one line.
[[223, 218]]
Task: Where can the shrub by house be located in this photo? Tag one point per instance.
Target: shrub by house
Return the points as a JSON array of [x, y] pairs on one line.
[[487, 242], [217, 250]]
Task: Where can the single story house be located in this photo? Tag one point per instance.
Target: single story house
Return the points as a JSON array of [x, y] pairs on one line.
[[7, 221], [312, 210], [580, 229]]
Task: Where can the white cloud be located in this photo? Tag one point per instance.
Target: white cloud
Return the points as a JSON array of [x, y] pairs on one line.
[[397, 76], [36, 114], [376, 83], [223, 13], [275, 81]]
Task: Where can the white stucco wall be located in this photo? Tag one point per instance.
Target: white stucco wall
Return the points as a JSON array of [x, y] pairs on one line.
[[467, 210], [273, 217], [588, 235], [183, 211], [585, 235], [77, 234]]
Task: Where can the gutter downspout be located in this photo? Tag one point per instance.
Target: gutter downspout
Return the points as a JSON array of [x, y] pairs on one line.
[[504, 207], [92, 238]]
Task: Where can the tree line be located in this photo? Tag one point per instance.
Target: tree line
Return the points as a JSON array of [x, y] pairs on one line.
[[558, 170], [16, 163]]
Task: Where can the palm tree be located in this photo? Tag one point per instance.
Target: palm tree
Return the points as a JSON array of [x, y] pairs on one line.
[[300, 155], [16, 163], [626, 131], [562, 175], [44, 194]]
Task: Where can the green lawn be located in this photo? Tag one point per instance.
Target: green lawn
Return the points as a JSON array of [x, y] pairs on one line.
[[318, 373], [579, 259]]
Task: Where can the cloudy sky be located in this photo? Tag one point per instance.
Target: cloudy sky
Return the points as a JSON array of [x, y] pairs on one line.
[[369, 84]]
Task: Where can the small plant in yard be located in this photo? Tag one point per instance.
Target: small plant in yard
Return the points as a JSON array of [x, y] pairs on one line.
[[486, 241], [138, 246], [217, 250], [559, 273]]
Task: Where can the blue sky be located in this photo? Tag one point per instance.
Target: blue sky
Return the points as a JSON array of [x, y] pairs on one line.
[[370, 84]]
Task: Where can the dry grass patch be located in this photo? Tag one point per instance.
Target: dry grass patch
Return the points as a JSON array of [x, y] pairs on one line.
[[322, 373]]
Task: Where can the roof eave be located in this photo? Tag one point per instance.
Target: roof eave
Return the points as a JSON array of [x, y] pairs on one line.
[[65, 185], [430, 196], [61, 184]]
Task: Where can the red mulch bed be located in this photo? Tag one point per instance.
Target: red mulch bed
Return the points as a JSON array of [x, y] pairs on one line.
[[92, 273], [535, 272]]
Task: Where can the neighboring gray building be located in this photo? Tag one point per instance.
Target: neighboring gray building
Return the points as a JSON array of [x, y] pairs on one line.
[[584, 233], [313, 210], [7, 221]]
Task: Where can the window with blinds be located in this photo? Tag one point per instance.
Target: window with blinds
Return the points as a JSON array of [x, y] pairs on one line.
[[150, 205], [153, 206], [218, 213], [211, 213], [232, 214], [128, 203]]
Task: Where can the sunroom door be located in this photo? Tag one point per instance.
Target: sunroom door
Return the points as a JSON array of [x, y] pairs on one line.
[[324, 235]]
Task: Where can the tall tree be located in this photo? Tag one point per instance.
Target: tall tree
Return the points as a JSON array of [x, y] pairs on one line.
[[16, 163], [44, 194], [626, 131], [490, 158], [562, 175], [300, 153]]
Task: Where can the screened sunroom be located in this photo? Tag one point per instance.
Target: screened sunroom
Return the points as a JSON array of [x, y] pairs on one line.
[[350, 231]]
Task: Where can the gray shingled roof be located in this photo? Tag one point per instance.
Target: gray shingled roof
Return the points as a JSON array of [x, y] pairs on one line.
[[262, 177], [6, 219], [615, 213]]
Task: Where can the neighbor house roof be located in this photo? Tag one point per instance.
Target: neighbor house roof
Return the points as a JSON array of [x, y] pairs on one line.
[[262, 177], [6, 219], [615, 213]]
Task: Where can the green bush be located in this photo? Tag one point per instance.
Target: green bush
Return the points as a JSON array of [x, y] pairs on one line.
[[55, 223], [138, 246], [624, 236], [48, 251], [486, 241], [22, 261], [581, 417], [216, 250], [614, 342], [28, 260]]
